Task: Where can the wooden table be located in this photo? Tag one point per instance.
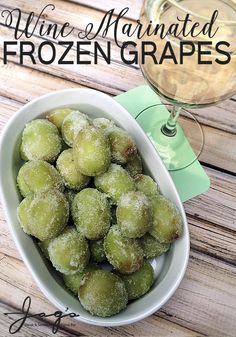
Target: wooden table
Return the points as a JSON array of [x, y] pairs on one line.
[[205, 303]]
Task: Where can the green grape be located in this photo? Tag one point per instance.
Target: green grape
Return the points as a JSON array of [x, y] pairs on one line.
[[72, 125], [123, 147], [134, 166], [97, 250], [92, 153], [146, 185], [167, 221], [103, 123], [115, 182], [73, 179], [73, 281], [23, 214], [40, 141], [91, 213], [38, 176], [152, 247], [124, 254], [102, 293], [134, 214], [140, 282], [57, 116], [69, 252], [48, 214]]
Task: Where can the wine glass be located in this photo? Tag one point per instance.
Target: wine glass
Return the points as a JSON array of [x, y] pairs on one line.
[[190, 84]]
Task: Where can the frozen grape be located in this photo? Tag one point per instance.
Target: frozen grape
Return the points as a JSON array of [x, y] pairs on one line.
[[57, 116], [146, 185], [103, 123], [37, 176], [134, 166], [92, 153], [152, 247], [134, 214], [124, 254], [72, 125], [73, 281], [140, 282], [73, 179], [167, 221], [23, 214], [48, 214], [115, 182], [97, 250], [91, 213], [123, 147], [69, 252], [40, 141], [102, 293]]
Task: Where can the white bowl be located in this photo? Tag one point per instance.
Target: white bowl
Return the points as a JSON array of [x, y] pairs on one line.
[[169, 268]]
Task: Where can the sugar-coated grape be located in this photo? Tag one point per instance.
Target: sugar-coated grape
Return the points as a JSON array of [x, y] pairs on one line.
[[124, 254], [102, 293], [40, 141], [91, 213], [103, 123], [72, 125], [152, 247], [97, 250], [23, 214], [134, 166], [37, 176], [73, 281], [73, 179], [140, 282], [48, 214], [115, 182], [134, 214], [146, 185], [92, 152], [123, 147], [57, 116], [167, 221], [69, 252]]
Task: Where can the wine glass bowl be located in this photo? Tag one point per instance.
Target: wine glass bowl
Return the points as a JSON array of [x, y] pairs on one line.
[[197, 69]]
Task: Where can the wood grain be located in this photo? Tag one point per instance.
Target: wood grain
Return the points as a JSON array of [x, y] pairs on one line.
[[14, 272], [184, 310], [104, 5]]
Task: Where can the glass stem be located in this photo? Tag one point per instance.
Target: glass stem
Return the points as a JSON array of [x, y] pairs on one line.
[[169, 129]]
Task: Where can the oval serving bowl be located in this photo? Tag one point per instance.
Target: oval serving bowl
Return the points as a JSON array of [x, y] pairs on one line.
[[169, 268]]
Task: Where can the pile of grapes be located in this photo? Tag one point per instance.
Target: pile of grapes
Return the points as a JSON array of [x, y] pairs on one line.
[[89, 204]]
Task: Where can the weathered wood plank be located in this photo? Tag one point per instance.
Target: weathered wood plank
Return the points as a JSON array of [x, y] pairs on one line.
[[219, 147], [213, 295], [217, 206], [16, 284], [205, 301], [77, 15], [220, 117], [104, 5]]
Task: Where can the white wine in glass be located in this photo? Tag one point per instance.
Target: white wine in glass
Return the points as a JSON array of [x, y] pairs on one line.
[[202, 72]]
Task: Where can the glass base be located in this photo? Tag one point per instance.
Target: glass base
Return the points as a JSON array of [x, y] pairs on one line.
[[180, 150]]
